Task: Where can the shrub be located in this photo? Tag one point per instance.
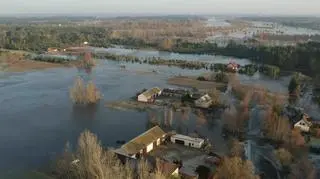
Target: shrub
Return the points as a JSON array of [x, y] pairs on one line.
[[201, 78], [221, 77], [84, 94]]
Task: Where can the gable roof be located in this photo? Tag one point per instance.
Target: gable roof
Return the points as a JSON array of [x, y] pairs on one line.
[[151, 91], [144, 139]]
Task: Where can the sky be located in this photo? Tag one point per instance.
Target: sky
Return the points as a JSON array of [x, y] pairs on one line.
[[120, 7]]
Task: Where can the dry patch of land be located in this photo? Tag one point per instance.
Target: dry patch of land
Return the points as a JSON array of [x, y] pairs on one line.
[[15, 61], [192, 82]]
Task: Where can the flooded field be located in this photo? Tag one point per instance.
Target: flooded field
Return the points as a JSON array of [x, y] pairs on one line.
[[38, 118]]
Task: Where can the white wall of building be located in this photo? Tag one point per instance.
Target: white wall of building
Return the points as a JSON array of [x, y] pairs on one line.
[[149, 147], [188, 141], [142, 98], [302, 125], [158, 142]]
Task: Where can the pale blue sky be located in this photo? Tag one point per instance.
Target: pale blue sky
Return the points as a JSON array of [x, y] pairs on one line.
[[305, 7]]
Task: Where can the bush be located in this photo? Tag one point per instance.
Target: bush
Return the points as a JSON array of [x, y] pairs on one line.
[[201, 78], [221, 77]]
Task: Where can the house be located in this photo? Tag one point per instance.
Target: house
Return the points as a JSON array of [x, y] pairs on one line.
[[187, 140], [52, 50], [204, 101], [303, 125], [143, 143], [149, 95], [233, 67]]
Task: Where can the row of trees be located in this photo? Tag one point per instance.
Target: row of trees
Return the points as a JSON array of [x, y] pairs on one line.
[[40, 37]]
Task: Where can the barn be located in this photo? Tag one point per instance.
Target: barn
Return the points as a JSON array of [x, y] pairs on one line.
[[149, 95], [143, 144], [187, 140]]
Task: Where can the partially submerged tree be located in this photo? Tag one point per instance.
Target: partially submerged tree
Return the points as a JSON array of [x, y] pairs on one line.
[[84, 94]]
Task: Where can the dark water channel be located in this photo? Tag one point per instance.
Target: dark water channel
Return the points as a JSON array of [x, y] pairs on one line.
[[37, 117]]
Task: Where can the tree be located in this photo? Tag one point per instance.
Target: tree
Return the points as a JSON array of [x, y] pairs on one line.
[[294, 86], [276, 127], [235, 167], [237, 149], [284, 156], [303, 168]]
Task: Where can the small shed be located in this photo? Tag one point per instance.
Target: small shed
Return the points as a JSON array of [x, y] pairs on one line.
[[149, 95], [187, 140]]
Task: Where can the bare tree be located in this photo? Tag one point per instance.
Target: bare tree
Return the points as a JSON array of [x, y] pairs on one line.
[[235, 167], [284, 156], [303, 168]]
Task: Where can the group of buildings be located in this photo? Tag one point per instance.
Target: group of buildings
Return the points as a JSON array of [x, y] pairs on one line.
[[140, 147], [200, 100]]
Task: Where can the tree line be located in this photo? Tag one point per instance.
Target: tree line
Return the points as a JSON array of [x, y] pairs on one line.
[[302, 57]]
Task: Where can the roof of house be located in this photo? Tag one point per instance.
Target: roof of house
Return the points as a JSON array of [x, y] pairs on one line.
[[151, 91], [204, 98], [144, 139], [167, 168]]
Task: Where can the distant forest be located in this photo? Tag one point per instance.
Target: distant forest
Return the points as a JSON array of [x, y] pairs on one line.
[[38, 37]]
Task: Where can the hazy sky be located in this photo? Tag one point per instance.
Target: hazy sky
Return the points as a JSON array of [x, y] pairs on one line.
[[301, 7]]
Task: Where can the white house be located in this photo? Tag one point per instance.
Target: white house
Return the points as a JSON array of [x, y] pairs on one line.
[[149, 95], [142, 144], [203, 102], [303, 125], [187, 140]]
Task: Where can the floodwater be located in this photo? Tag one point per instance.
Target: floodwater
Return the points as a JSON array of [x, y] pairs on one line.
[[37, 117]]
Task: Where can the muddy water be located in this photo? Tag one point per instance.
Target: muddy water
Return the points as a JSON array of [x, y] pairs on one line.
[[37, 117]]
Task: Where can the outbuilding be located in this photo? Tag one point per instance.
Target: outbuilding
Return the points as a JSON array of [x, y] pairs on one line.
[[149, 95], [142, 144], [187, 140]]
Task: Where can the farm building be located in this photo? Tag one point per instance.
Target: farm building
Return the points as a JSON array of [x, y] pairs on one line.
[[149, 95], [203, 102], [187, 140], [143, 143], [174, 92]]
